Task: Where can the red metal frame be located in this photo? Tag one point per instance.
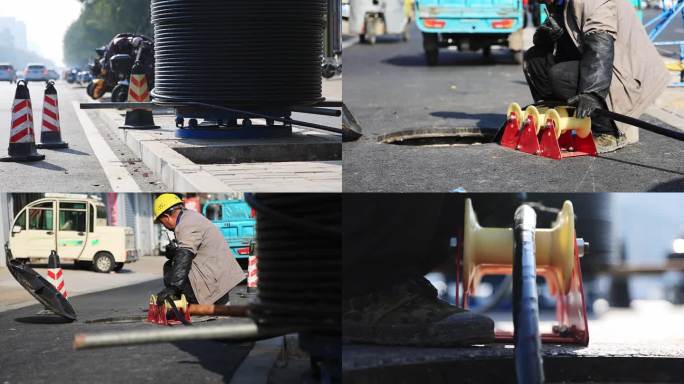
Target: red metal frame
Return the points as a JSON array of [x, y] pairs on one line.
[[511, 134], [571, 310], [567, 145], [529, 143], [157, 314]]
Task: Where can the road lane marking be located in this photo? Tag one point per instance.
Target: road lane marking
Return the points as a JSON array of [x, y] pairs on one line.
[[117, 174]]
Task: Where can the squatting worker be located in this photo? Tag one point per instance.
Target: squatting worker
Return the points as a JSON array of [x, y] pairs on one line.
[[596, 54], [200, 263]]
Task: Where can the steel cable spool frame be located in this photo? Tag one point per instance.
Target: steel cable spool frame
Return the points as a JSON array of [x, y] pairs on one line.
[[256, 55], [300, 255]]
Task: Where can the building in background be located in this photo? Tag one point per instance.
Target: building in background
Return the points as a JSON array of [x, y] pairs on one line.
[[15, 28]]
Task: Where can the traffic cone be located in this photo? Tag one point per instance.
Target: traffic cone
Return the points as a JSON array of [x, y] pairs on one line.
[[252, 274], [50, 135], [138, 92], [55, 273], [22, 142]]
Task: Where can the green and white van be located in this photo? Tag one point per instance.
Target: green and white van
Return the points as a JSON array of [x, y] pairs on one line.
[[77, 228]]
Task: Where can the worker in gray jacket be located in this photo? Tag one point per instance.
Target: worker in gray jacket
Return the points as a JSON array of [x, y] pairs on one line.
[[596, 54], [200, 264]]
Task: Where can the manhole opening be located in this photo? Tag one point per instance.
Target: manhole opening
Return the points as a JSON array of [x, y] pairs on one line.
[[439, 137]]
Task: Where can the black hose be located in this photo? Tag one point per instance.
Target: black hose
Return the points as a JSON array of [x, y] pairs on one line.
[[679, 135], [239, 53], [528, 360]]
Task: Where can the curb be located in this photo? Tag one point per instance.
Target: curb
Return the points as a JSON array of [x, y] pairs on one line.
[[256, 367], [175, 171]]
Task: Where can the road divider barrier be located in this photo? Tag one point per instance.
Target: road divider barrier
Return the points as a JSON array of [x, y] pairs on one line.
[[22, 142], [50, 132]]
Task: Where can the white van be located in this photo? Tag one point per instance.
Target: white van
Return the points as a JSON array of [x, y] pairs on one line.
[[77, 228]]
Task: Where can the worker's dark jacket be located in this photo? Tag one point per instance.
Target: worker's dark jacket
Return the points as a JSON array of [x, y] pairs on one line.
[[214, 271]]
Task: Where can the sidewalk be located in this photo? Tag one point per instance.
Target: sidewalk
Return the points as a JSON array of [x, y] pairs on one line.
[[79, 281]]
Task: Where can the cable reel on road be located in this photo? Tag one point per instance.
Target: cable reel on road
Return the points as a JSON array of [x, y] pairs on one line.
[[261, 56]]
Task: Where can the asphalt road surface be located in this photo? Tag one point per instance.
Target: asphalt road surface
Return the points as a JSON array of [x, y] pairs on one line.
[[75, 169], [38, 350], [390, 89]]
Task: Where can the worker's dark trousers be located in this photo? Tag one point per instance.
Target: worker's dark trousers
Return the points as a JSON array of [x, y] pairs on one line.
[[389, 238], [551, 81], [187, 288]]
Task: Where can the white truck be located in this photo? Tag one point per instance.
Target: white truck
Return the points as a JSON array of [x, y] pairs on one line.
[[77, 228]]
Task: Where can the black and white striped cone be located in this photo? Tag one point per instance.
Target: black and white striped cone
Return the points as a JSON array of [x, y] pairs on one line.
[[252, 274], [55, 273], [50, 132], [138, 92], [22, 142]]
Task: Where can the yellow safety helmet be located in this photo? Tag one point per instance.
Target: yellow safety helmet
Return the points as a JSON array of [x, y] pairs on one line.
[[164, 202]]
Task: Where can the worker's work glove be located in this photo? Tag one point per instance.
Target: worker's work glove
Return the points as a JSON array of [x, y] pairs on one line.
[[167, 293], [170, 250], [585, 104], [180, 268], [596, 71], [547, 34]]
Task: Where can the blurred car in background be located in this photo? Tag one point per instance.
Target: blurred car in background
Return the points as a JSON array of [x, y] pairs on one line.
[[72, 75], [7, 73], [235, 219], [36, 72], [52, 75]]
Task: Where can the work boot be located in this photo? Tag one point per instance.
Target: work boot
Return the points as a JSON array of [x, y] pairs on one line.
[[608, 142], [411, 314]]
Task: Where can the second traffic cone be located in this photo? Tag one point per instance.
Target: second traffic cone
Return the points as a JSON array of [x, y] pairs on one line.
[[55, 273], [50, 134], [252, 274], [138, 92], [22, 142]]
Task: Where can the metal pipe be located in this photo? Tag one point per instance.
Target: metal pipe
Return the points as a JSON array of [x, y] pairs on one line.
[[334, 29], [243, 331]]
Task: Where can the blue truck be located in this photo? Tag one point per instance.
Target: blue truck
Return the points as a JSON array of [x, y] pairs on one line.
[[470, 25], [235, 219]]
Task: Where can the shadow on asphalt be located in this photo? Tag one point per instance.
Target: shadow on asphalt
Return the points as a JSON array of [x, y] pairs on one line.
[[214, 356], [485, 120], [452, 59], [42, 319], [676, 185], [641, 165], [46, 165], [73, 152]]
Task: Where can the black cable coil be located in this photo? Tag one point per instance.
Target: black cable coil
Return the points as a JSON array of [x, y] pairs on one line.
[[299, 250], [239, 53]]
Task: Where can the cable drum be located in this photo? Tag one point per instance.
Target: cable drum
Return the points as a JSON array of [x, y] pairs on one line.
[[300, 255], [239, 53]]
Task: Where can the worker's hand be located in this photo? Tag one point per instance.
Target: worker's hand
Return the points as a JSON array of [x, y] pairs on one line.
[[547, 34], [585, 104], [167, 293]]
